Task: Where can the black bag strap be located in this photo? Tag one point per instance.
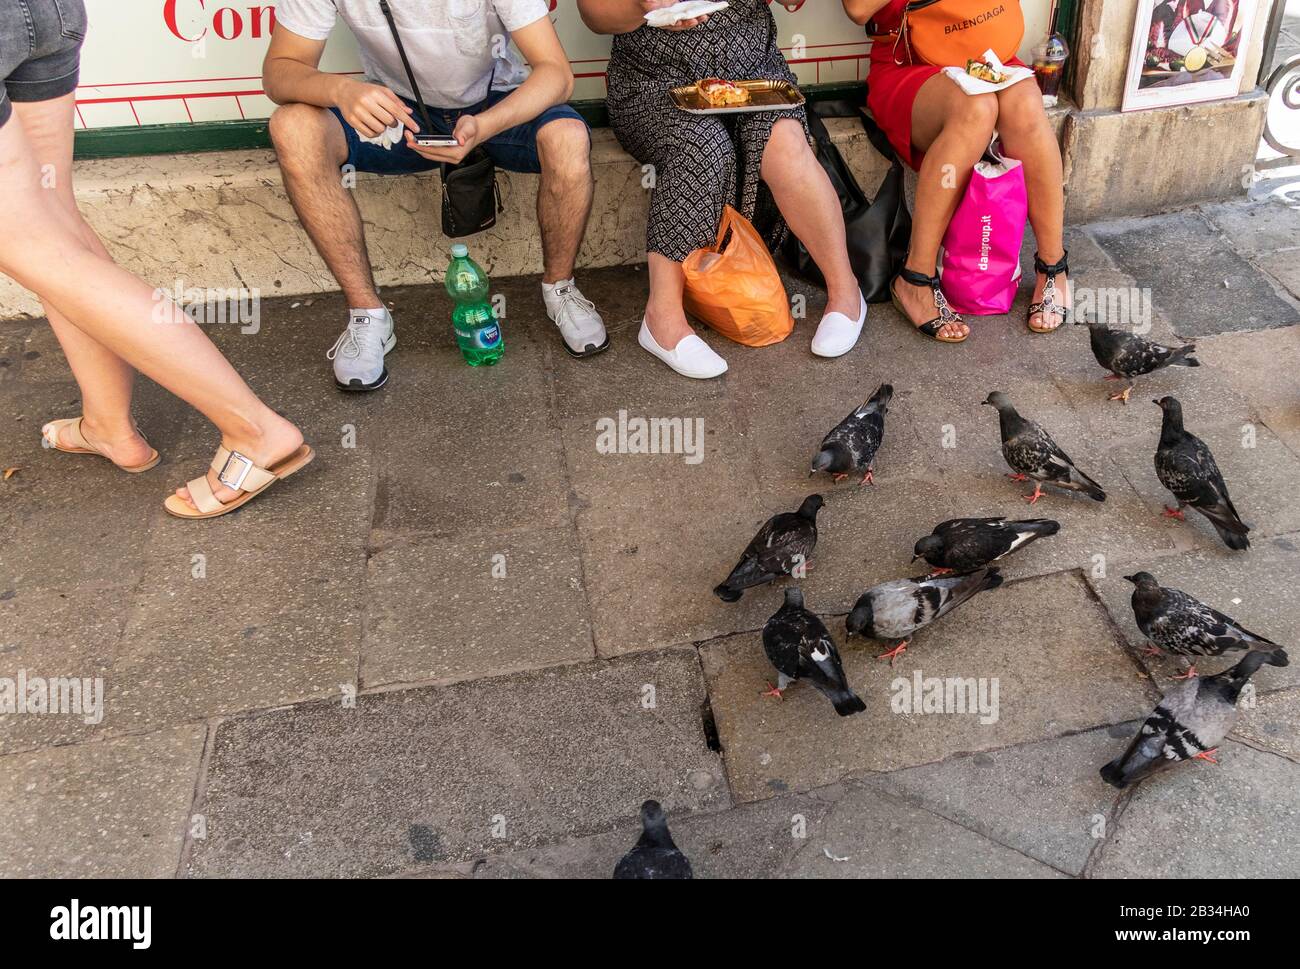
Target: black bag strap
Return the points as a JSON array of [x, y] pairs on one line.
[[848, 109], [406, 63]]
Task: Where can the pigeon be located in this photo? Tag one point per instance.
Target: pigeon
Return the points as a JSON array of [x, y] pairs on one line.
[[783, 544], [1180, 624], [1127, 356], [654, 856], [966, 544], [897, 609], [801, 648], [852, 445], [1031, 453], [1186, 467], [1188, 724]]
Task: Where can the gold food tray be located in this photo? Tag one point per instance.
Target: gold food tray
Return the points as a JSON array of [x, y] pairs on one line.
[[763, 96]]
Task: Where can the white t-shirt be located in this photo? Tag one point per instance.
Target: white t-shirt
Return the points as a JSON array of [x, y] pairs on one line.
[[458, 49]]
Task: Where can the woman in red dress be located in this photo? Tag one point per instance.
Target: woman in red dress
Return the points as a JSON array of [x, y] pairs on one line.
[[941, 131]]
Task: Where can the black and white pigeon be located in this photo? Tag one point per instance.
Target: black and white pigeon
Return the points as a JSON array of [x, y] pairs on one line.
[[1127, 355], [1188, 724], [784, 543], [1186, 467], [1185, 626], [1031, 453], [851, 446], [895, 610], [655, 855], [800, 647], [966, 544]]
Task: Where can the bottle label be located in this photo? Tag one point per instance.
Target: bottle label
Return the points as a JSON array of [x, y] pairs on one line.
[[488, 337]]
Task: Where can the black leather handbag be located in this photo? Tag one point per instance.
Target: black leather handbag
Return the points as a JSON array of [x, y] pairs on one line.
[[471, 197], [878, 230]]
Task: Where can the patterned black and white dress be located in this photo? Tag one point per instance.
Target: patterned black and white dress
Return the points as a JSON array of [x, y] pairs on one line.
[[701, 162]]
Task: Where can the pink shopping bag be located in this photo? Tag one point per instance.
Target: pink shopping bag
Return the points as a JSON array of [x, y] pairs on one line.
[[981, 249]]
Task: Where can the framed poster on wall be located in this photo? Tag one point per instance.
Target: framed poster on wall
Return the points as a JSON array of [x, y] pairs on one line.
[[1186, 51]]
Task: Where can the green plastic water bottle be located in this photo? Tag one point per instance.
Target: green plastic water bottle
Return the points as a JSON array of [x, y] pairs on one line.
[[478, 331]]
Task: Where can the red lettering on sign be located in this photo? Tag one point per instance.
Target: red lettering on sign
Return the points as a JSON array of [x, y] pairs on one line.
[[228, 23]]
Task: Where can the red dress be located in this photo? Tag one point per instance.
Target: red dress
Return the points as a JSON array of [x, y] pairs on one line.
[[892, 87]]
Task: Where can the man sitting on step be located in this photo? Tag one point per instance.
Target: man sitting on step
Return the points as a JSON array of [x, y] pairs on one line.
[[479, 90]]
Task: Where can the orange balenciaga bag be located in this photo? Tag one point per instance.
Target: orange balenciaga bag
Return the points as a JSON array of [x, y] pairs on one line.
[[735, 288], [948, 33]]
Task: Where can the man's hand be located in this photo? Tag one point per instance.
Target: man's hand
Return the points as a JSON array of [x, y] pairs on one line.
[[649, 5], [467, 132], [372, 109]]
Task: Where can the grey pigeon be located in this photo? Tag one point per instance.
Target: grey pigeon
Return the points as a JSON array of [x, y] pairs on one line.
[[852, 445], [1031, 453], [966, 544], [1186, 467], [800, 647], [1127, 355], [1185, 626], [654, 856], [895, 610], [785, 542], [1188, 724]]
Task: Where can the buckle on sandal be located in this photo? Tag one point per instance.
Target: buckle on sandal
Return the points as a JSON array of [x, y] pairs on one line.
[[235, 481]]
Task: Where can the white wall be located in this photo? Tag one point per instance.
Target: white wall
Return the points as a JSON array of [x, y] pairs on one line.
[[178, 61]]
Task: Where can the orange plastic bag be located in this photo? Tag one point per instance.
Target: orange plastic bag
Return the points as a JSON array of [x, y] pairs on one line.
[[735, 288]]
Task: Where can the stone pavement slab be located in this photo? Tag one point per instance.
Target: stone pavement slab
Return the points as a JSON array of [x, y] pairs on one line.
[[1257, 588], [868, 834], [444, 609], [53, 634], [842, 831], [1272, 723], [1236, 819], [1045, 641], [1209, 288], [1260, 471], [1265, 227], [1043, 799], [416, 777], [111, 809]]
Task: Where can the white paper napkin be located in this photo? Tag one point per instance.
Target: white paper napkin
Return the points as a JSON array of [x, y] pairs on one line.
[[667, 16], [973, 85]]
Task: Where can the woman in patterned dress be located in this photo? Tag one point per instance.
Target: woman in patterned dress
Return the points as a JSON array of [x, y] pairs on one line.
[[761, 163]]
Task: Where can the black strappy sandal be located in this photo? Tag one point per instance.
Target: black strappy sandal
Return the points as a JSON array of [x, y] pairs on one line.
[[946, 315], [1049, 307]]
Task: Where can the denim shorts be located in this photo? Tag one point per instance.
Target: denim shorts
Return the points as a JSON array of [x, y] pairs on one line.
[[514, 149], [40, 50]]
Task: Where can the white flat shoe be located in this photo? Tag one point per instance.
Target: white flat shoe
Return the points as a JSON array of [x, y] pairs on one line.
[[837, 334], [692, 357]]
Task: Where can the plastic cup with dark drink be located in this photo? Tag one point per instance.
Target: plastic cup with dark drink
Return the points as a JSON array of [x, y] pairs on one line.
[[1049, 65]]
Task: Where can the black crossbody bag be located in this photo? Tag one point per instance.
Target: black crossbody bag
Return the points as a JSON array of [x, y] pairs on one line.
[[471, 198]]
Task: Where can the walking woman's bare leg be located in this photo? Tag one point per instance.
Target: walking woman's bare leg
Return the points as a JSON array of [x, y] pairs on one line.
[[811, 209], [105, 379], [44, 251], [1027, 135]]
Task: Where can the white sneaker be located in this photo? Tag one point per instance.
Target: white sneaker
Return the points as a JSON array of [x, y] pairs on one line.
[[580, 325], [692, 357], [837, 334], [358, 354]]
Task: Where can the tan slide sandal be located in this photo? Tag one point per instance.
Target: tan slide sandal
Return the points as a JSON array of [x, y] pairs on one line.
[[234, 470], [73, 424]]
